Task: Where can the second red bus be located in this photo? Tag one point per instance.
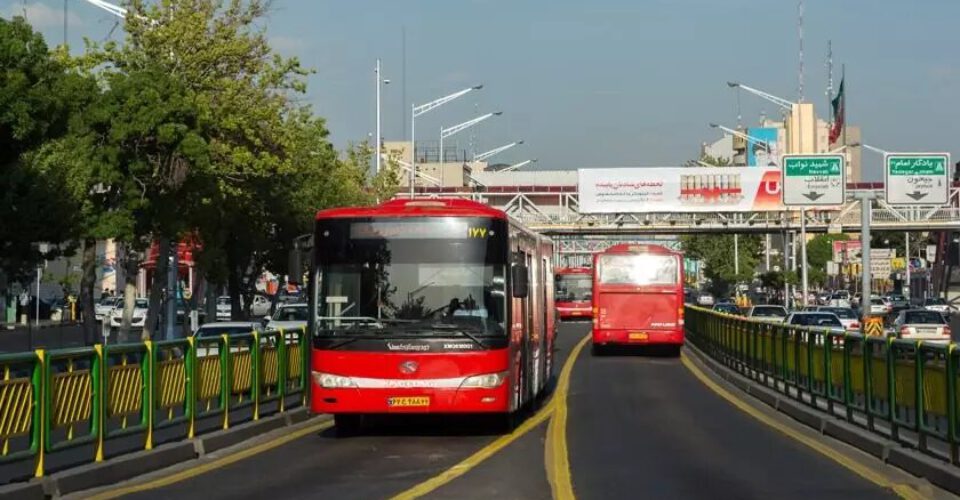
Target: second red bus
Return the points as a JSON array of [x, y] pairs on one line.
[[638, 297]]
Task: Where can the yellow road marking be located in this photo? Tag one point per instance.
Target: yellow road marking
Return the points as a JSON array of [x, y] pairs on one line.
[[489, 450], [903, 490], [213, 464], [556, 455]]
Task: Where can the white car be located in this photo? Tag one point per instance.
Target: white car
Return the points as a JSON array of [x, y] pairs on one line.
[[848, 317], [260, 308], [768, 314], [288, 317], [206, 346], [104, 308], [140, 307], [705, 299], [937, 304], [880, 307], [921, 324]]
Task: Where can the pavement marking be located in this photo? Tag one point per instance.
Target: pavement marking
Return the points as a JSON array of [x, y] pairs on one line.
[[902, 490], [491, 449], [556, 455], [217, 463]]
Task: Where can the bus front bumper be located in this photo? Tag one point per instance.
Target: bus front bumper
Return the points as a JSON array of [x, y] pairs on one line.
[[452, 400]]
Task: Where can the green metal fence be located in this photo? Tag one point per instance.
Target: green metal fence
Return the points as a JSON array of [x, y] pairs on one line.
[[61, 399], [905, 390]]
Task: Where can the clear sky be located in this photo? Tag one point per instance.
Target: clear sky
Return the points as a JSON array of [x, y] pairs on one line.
[[609, 82]]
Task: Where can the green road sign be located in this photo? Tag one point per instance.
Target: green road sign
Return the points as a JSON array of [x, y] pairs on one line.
[[813, 180], [916, 178]]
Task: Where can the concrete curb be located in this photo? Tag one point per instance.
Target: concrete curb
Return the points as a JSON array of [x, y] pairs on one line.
[[23, 491], [129, 466], [937, 472]]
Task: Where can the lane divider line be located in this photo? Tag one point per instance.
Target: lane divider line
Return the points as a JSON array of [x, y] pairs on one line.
[[556, 454], [491, 449], [211, 465], [902, 490]]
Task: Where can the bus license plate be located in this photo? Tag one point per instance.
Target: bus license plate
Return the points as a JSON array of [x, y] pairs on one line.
[[411, 401], [638, 336]]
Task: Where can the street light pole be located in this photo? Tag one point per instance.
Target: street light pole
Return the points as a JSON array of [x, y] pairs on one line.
[[906, 288], [447, 132], [379, 135], [416, 111]]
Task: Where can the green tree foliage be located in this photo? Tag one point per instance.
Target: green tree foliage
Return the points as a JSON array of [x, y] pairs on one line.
[[37, 99], [717, 253]]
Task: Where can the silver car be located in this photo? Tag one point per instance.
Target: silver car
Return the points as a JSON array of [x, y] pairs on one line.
[[769, 314]]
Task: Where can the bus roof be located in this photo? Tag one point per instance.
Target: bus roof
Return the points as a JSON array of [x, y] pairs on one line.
[[573, 270], [417, 207], [642, 248]]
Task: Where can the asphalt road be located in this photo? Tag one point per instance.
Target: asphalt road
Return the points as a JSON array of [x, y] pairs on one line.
[[637, 426]]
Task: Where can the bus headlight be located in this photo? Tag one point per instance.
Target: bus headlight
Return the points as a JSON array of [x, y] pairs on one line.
[[331, 381], [485, 381]]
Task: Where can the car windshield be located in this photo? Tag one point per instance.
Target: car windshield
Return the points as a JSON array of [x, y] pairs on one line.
[[923, 317], [814, 319], [107, 301], [141, 304], [840, 312], [935, 302], [223, 301], [573, 287], [291, 313], [431, 274], [639, 269], [877, 302], [727, 308], [898, 298], [769, 312], [216, 331]]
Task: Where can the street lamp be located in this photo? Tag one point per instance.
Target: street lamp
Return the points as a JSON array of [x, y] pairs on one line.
[[741, 135], [495, 151], [379, 141], [419, 110], [518, 165], [447, 132]]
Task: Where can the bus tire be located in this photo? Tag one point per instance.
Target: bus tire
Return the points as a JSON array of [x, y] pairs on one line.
[[346, 425]]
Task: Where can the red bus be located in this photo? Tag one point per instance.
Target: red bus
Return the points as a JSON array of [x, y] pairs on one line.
[[429, 306], [573, 292], [638, 297]]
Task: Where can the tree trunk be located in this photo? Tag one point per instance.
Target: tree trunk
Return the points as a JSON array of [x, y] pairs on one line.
[[233, 286], [87, 282], [131, 264], [157, 287]]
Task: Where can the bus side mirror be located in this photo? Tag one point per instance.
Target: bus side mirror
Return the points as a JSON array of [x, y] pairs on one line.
[[518, 278]]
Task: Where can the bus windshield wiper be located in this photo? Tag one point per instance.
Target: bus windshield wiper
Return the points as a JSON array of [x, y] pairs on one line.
[[450, 327]]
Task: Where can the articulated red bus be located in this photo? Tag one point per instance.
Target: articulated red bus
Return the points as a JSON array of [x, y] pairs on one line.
[[429, 306], [572, 292], [638, 297]]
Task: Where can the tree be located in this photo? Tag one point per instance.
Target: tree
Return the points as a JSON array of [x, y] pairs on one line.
[[38, 97], [717, 251], [709, 161]]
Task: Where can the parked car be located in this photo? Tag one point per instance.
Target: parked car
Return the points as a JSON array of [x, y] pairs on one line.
[[105, 306], [139, 314], [771, 314], [921, 324], [288, 316], [705, 300], [727, 308], [937, 304], [217, 329]]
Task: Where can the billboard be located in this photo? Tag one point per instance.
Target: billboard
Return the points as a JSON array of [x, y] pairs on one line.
[[678, 189], [765, 150], [847, 250]]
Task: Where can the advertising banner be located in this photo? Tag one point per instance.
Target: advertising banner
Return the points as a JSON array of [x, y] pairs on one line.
[[763, 150], [847, 250], [679, 189]]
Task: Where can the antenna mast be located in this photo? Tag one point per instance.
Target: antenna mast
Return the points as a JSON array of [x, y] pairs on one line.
[[800, 33]]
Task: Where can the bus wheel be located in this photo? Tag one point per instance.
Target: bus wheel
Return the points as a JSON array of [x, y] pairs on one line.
[[346, 425]]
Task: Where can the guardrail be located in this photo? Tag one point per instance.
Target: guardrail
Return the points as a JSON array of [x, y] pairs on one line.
[[904, 390], [57, 400]]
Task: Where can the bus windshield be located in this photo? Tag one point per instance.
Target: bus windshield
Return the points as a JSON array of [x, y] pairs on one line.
[[424, 275], [573, 287], [642, 269]]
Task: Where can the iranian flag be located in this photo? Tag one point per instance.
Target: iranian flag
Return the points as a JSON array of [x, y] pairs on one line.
[[839, 113]]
